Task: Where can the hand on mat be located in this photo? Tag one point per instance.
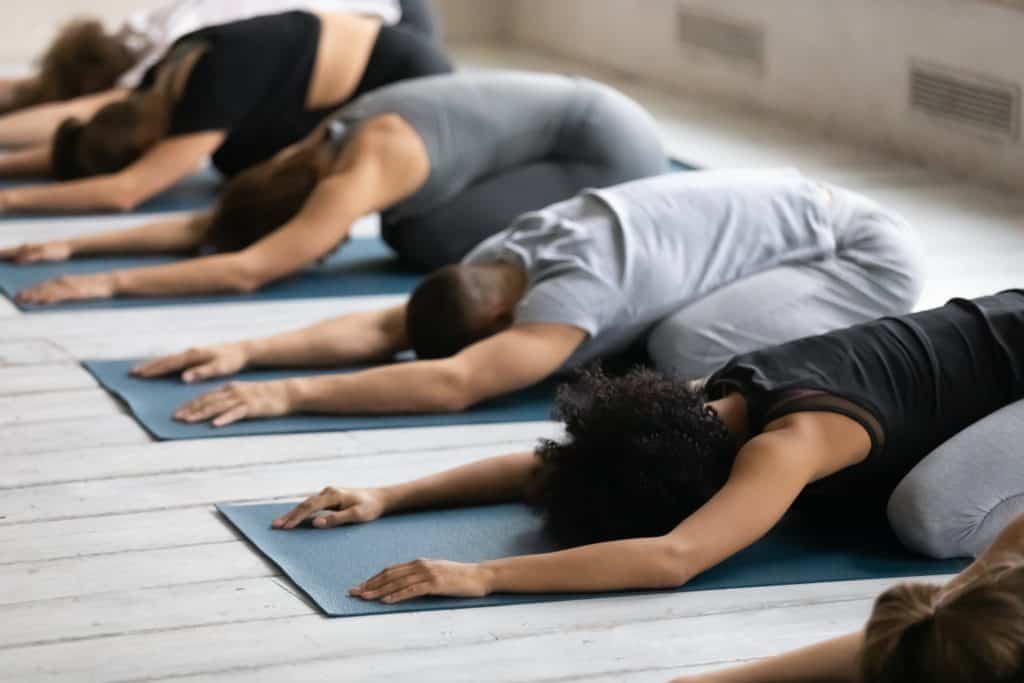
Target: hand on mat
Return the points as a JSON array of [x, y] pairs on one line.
[[424, 577], [197, 364], [346, 506], [237, 401], [36, 253], [68, 288]]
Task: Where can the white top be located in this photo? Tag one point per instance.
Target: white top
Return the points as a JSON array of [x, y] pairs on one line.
[[614, 262], [157, 29]]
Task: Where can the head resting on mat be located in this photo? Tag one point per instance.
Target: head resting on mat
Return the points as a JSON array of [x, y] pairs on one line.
[[920, 633], [641, 453], [459, 305], [259, 200], [82, 59], [116, 136]]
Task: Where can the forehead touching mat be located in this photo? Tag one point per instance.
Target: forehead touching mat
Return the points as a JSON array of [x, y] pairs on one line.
[[325, 563]]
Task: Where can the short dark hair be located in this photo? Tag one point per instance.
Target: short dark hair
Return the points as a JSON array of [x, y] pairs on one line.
[[116, 136], [642, 452], [261, 199], [444, 316]]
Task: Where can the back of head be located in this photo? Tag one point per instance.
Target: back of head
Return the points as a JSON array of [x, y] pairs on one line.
[[449, 311], [83, 59], [641, 453], [115, 137], [261, 199], [975, 635]]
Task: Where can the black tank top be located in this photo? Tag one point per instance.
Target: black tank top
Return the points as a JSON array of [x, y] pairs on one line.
[[253, 80], [912, 382]]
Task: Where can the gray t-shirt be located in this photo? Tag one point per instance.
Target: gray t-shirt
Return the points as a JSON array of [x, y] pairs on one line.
[[476, 124], [614, 262]]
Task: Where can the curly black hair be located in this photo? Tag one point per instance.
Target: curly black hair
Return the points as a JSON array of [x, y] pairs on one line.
[[642, 452]]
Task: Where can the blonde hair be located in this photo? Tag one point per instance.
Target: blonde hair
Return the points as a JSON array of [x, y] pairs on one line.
[[973, 635]]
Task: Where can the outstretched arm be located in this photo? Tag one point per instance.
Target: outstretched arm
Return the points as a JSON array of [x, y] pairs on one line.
[[353, 338], [384, 163], [772, 468], [832, 661], [37, 124], [493, 480], [158, 169], [172, 235], [31, 162], [506, 362]]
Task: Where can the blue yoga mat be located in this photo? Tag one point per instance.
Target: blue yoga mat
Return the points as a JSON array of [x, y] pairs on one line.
[[326, 563], [192, 193], [153, 401], [362, 267]]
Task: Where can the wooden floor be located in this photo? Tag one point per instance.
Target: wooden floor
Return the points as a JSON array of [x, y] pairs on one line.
[[114, 566]]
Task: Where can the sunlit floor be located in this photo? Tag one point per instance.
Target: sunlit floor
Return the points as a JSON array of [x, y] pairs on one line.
[[114, 566]]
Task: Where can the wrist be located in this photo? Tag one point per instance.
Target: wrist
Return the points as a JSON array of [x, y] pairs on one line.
[[297, 394], [249, 351], [115, 282], [488, 576], [390, 498], [257, 351]]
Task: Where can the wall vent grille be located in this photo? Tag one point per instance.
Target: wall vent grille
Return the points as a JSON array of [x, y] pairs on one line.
[[984, 104], [734, 40]]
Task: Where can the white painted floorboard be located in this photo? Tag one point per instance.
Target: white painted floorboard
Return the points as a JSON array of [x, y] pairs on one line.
[[115, 567]]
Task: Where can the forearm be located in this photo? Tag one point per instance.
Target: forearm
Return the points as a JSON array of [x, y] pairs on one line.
[[417, 387], [101, 193], [215, 274], [359, 337], [632, 564], [171, 235], [833, 661], [494, 480], [32, 162]]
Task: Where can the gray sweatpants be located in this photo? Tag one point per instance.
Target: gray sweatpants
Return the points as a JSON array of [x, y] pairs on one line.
[[959, 498], [875, 271]]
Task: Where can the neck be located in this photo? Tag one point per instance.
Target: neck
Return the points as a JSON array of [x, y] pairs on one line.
[[732, 410]]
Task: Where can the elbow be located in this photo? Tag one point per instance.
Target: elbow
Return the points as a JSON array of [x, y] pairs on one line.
[[122, 197], [247, 283], [244, 276], [672, 564], [452, 390]]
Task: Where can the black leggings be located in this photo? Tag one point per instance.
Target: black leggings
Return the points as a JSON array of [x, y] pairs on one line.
[[419, 16], [448, 233]]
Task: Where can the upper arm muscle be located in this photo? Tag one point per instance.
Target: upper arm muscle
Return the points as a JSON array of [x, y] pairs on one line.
[[769, 473], [517, 357], [383, 164]]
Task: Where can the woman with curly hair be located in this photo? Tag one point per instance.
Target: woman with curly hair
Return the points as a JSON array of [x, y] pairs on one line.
[[655, 483], [970, 630], [86, 65], [238, 93]]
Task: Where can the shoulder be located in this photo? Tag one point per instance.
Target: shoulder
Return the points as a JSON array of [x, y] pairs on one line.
[[825, 441]]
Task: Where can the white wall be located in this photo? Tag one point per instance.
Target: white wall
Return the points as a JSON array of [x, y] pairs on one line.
[[841, 64]]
